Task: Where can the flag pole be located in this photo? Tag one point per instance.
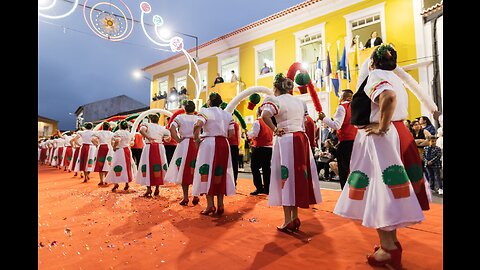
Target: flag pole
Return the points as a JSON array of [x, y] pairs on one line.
[[347, 66], [328, 76]]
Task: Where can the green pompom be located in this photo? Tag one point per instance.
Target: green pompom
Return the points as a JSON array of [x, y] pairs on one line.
[[302, 79], [254, 98]]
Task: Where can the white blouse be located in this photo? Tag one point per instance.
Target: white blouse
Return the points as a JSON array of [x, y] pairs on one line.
[[155, 131], [104, 136], [217, 122], [288, 110], [124, 136], [86, 136], [184, 123]]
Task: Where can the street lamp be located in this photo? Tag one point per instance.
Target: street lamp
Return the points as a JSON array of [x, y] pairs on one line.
[[137, 74]]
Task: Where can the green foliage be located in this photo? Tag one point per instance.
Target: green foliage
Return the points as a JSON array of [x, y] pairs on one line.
[[204, 169], [218, 171], [284, 172], [358, 179], [157, 167], [117, 168], [394, 175]]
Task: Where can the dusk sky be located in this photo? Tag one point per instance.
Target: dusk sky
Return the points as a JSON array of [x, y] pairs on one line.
[[76, 67]]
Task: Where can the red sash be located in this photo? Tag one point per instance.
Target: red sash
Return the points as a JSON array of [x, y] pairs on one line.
[[187, 177], [156, 178], [304, 195], [75, 157], [59, 155], [84, 156], [128, 162], [218, 184], [412, 163], [68, 156], [101, 157]]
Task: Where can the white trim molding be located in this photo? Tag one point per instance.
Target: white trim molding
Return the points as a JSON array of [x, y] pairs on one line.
[[202, 67], [314, 30], [263, 47], [314, 11], [375, 9]]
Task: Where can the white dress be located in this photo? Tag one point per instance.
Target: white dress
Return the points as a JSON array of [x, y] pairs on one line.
[[206, 179], [153, 165], [175, 173], [123, 169], [378, 191], [85, 156], [294, 177], [104, 150]]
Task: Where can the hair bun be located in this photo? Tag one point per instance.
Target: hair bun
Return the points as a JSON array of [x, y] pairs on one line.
[[287, 84]]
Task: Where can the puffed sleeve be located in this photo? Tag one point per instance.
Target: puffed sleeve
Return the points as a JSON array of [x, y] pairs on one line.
[[203, 115], [376, 84], [270, 104]]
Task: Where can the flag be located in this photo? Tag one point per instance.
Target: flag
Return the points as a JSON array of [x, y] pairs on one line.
[[318, 73], [355, 59], [328, 68], [336, 84], [338, 59], [343, 61]]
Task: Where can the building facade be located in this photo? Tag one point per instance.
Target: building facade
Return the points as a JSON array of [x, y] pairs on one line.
[[97, 111], [310, 33], [46, 126]]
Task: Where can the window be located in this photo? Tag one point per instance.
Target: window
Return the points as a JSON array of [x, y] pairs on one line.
[[46, 131], [228, 61], [264, 59], [181, 81], [310, 46], [228, 65], [163, 85], [364, 22], [203, 68]]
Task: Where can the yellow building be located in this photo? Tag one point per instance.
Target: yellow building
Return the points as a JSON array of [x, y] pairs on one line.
[[46, 126], [304, 33]]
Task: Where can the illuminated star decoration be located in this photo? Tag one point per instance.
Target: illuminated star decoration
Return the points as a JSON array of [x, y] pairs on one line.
[[109, 25], [43, 5], [175, 43]]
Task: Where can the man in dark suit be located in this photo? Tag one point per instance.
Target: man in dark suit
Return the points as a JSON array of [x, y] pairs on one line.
[[373, 41]]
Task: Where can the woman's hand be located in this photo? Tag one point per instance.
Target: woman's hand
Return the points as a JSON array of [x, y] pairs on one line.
[[197, 141], [279, 131], [375, 130]]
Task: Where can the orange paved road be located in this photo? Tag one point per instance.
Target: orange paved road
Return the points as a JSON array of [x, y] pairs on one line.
[[124, 231]]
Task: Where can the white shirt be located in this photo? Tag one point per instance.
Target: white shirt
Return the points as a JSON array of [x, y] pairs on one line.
[[379, 81], [155, 131], [86, 136], [338, 117], [253, 133], [184, 123], [124, 137], [217, 122], [288, 110], [104, 136]]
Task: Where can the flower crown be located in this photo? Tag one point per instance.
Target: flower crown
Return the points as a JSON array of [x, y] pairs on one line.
[[383, 50]]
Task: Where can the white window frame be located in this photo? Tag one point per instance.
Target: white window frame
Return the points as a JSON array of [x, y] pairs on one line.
[[370, 11], [201, 68], [263, 47], [159, 81], [227, 54], [176, 75], [314, 30]]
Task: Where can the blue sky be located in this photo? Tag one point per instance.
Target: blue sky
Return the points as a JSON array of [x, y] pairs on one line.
[[76, 67]]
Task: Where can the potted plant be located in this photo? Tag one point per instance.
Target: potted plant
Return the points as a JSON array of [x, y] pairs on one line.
[[284, 172], [144, 170], [217, 175], [118, 170], [396, 178], [109, 160], [415, 174], [192, 166], [204, 172], [101, 161], [358, 182], [90, 163], [178, 162], [157, 170]]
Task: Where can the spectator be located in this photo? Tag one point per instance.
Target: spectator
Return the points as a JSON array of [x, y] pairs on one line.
[[218, 79], [427, 124], [432, 155], [234, 77], [325, 157], [354, 42], [373, 41], [265, 69], [420, 136], [408, 124]]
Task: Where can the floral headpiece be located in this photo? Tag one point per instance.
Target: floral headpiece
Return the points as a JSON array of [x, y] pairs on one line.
[[383, 50]]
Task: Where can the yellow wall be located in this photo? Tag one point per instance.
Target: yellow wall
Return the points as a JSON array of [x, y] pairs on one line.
[[399, 30]]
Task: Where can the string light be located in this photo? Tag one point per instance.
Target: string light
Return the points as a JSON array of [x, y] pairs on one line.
[[41, 7], [107, 25]]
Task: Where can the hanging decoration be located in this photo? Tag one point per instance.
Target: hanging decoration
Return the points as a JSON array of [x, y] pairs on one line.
[[108, 24]]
